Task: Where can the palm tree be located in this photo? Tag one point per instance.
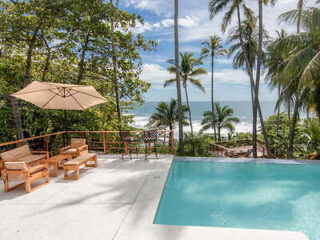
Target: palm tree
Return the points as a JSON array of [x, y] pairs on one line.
[[277, 52], [213, 48], [258, 69], [301, 68], [224, 119], [167, 115], [176, 54], [188, 70], [300, 8], [216, 6], [250, 41]]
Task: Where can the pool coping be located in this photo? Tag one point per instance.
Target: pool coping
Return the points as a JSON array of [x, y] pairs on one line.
[[247, 160]]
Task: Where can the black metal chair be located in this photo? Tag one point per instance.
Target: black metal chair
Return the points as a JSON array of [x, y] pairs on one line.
[[126, 138], [149, 137]]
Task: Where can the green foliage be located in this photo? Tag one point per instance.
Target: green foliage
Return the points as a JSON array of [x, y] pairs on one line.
[[197, 145], [223, 119], [69, 42], [312, 134], [166, 115], [278, 132]]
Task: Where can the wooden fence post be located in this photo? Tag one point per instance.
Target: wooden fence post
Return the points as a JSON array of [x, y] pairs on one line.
[[105, 151], [172, 142], [47, 144]]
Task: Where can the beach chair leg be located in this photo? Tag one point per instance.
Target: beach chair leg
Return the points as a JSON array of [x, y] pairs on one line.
[[146, 151], [28, 186], [6, 183], [155, 149], [65, 170]]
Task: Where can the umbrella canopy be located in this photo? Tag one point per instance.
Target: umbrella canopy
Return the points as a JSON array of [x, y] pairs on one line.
[[47, 95]]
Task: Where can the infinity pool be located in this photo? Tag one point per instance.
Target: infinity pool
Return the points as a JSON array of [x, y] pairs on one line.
[[242, 195]]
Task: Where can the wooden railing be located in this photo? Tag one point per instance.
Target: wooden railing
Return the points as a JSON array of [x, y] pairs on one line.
[[226, 148], [104, 141]]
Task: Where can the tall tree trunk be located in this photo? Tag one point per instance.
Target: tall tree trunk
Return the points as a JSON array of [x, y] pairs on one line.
[[82, 60], [176, 51], [278, 114], [252, 83], [14, 102], [293, 127], [300, 6], [190, 118], [219, 133], [289, 112], [116, 85], [115, 74], [189, 109], [258, 73], [212, 99], [29, 56], [16, 116], [47, 62], [170, 134]]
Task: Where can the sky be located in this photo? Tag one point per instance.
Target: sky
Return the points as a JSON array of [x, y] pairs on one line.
[[195, 27]]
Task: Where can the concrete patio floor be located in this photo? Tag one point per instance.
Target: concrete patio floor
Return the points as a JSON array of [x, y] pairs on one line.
[[118, 200]]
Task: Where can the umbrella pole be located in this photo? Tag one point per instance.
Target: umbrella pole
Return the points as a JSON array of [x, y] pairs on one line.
[[66, 126]]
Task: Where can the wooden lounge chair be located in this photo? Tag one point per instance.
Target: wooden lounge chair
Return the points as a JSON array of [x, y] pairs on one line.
[[74, 165], [76, 148], [19, 171], [23, 154]]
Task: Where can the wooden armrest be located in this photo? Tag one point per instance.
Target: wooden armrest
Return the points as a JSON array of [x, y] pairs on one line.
[[82, 147], [12, 160], [64, 148], [45, 152], [79, 149], [38, 167]]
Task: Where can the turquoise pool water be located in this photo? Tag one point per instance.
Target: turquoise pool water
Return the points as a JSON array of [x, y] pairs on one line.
[[242, 195]]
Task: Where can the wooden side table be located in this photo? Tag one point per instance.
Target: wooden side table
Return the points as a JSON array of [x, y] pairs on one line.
[[55, 161]]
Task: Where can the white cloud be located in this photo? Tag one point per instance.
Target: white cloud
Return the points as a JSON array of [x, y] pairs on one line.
[[167, 22], [154, 73], [146, 26], [155, 6], [187, 22], [191, 49], [224, 60]]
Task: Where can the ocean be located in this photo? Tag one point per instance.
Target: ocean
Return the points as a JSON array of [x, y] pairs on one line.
[[242, 110]]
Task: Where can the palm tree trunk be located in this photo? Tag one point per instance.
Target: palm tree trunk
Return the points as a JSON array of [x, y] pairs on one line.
[[278, 114], [219, 133], [212, 99], [252, 83], [170, 134], [300, 6], [17, 117], [190, 118], [293, 127], [254, 128], [258, 73], [176, 51], [189, 109], [289, 112]]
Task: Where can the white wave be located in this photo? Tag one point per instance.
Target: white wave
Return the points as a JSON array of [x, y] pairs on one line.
[[243, 126]]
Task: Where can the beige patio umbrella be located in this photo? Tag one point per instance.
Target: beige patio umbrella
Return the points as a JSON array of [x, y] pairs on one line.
[[59, 96]]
